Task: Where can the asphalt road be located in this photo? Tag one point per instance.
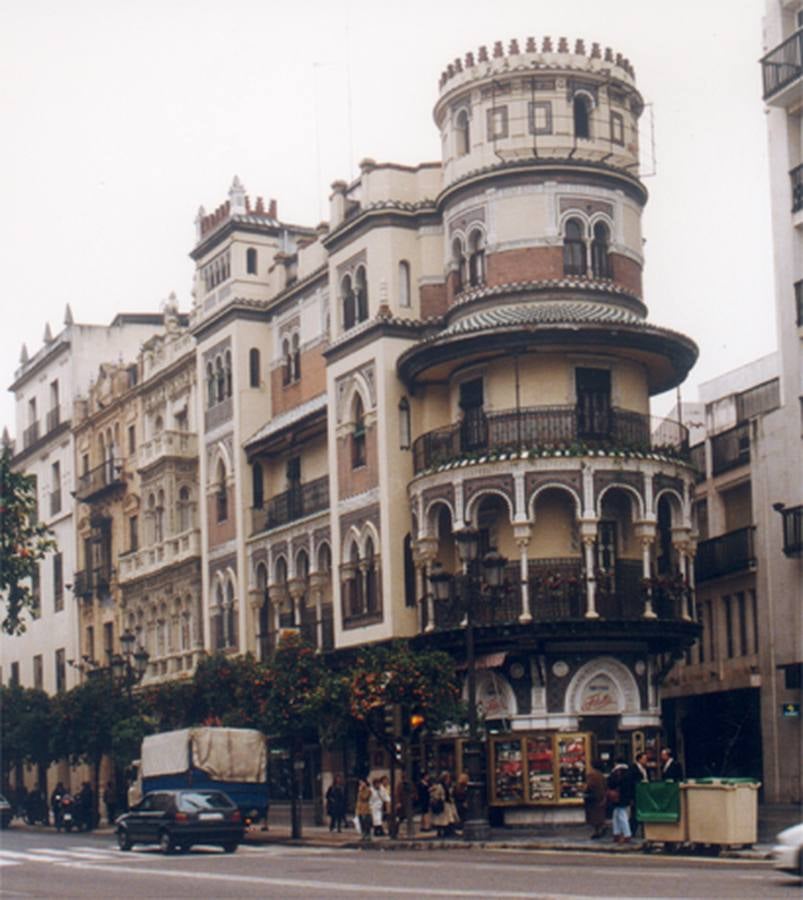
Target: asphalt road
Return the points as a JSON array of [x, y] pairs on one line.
[[46, 864]]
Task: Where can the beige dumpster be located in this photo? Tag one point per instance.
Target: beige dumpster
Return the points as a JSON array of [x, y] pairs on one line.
[[722, 811]]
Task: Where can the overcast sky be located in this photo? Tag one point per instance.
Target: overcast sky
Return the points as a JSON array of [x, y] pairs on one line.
[[120, 118]]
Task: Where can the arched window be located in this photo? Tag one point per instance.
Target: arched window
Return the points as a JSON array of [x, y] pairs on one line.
[[263, 624], [404, 284], [324, 559], [222, 495], [220, 379], [251, 261], [210, 385], [184, 509], [371, 597], [476, 259], [257, 486], [361, 291], [296, 352], [158, 425], [405, 431], [409, 571], [151, 531], [582, 116], [354, 583], [459, 264], [302, 565], [281, 572], [253, 367], [347, 300], [463, 133], [217, 619], [574, 248], [358, 435], [230, 618], [159, 518], [600, 261], [228, 373]]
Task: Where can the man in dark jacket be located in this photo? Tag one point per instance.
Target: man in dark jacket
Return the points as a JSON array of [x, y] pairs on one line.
[[671, 769], [639, 773]]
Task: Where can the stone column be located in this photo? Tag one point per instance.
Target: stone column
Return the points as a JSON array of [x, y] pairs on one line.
[[255, 600], [296, 589], [427, 551], [522, 533], [647, 541], [588, 535], [317, 581]]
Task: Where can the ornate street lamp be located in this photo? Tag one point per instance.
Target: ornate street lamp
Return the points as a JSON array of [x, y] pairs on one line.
[[129, 666], [477, 574]]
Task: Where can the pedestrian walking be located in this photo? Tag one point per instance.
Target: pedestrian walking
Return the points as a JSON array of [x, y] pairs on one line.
[[441, 804], [671, 769], [55, 804], [336, 804], [86, 804], [595, 799], [621, 793], [362, 810], [461, 797], [377, 807], [110, 802], [422, 790]]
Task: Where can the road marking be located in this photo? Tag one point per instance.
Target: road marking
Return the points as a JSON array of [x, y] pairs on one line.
[[26, 857], [301, 884]]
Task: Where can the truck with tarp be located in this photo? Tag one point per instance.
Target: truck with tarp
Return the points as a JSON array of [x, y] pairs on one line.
[[232, 760]]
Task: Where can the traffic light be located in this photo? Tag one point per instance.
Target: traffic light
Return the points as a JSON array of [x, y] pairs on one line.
[[393, 720], [416, 721]]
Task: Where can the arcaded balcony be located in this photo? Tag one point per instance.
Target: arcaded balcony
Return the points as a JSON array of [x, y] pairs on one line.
[[168, 552], [168, 444], [556, 592], [781, 69], [97, 481], [549, 428]]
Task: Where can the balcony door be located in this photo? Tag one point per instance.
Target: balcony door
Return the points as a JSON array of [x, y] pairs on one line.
[[294, 500], [474, 425], [594, 419]]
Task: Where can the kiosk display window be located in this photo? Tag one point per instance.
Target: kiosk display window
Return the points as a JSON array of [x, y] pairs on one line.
[[539, 769]]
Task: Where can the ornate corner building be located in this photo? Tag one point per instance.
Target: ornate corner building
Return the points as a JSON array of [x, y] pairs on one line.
[[464, 344]]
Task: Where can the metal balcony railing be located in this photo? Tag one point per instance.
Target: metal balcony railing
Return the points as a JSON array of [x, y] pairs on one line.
[[106, 475], [296, 503], [783, 64], [31, 435], [793, 531], [796, 177], [726, 554], [730, 449], [548, 427], [557, 592], [53, 419], [55, 502]]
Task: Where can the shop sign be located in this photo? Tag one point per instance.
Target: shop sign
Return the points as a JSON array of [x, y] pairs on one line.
[[790, 710], [599, 696]]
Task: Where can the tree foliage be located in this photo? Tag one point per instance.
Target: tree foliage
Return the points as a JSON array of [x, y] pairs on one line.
[[28, 720], [23, 543]]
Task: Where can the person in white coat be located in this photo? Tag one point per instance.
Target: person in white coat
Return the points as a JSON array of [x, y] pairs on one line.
[[377, 806]]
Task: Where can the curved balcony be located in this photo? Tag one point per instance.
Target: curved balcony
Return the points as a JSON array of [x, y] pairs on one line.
[[556, 589], [549, 428]]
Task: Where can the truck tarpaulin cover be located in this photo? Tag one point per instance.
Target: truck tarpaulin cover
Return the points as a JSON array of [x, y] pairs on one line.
[[230, 754], [225, 754]]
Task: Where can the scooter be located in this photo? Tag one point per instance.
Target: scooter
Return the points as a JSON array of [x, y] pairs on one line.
[[67, 819]]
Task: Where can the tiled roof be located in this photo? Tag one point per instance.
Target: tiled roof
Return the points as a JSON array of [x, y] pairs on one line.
[[316, 404]]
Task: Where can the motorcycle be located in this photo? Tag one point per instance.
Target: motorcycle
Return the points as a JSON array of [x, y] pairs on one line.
[[67, 819]]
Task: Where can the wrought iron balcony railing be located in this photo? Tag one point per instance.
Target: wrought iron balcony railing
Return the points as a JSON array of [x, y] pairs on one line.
[[296, 503], [557, 592], [53, 419], [548, 427], [783, 64], [793, 531], [107, 475], [31, 435], [726, 554]]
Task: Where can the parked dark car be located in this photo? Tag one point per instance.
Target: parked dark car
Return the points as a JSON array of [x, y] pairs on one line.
[[175, 820]]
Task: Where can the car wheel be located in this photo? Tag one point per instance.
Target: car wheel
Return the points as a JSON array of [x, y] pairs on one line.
[[166, 844], [123, 839], [230, 847]]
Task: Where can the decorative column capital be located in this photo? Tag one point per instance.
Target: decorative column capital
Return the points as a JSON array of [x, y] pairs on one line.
[[427, 549], [256, 598], [522, 533]]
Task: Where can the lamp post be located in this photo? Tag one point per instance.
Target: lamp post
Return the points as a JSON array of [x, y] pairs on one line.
[[129, 666], [470, 585]]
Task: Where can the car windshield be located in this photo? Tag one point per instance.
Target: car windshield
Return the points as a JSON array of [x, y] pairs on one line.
[[198, 801]]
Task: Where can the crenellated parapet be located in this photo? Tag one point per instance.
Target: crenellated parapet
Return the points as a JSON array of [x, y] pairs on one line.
[[549, 56]]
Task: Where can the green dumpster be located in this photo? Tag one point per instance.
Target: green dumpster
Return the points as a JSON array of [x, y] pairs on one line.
[[661, 807]]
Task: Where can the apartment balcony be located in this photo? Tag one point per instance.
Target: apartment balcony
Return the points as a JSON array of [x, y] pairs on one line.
[[781, 69], [30, 436], [92, 582], [55, 502], [792, 531], [168, 445], [169, 552], [551, 427], [557, 594], [53, 419], [796, 177], [725, 555], [93, 484], [318, 633], [730, 449], [297, 503]]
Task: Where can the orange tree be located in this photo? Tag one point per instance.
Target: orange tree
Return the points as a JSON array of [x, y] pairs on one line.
[[23, 543]]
